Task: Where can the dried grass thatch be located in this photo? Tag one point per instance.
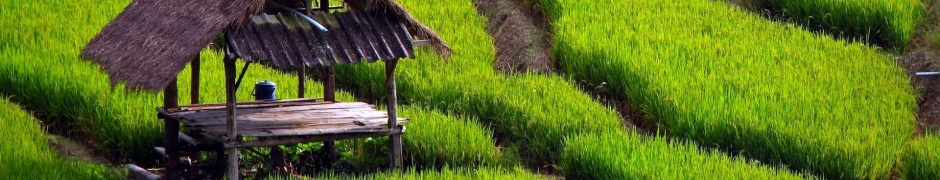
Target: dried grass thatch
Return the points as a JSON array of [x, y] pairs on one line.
[[151, 41], [414, 26]]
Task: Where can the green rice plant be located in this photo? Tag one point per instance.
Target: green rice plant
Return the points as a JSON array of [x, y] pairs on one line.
[[922, 158], [630, 156], [446, 173], [41, 69], [535, 111], [25, 154], [888, 23], [433, 140], [722, 77]]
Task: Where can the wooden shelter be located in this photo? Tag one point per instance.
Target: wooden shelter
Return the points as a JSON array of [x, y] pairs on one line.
[[149, 44]]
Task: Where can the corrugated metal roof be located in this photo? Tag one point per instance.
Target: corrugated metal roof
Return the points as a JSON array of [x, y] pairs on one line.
[[288, 41]]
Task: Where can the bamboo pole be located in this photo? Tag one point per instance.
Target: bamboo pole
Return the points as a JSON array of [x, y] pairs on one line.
[[394, 146], [230, 101]]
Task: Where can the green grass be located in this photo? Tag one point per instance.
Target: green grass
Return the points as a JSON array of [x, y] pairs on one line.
[[889, 23], [25, 154], [446, 173], [431, 140], [922, 160], [629, 156], [434, 140], [726, 78], [534, 111], [41, 69]]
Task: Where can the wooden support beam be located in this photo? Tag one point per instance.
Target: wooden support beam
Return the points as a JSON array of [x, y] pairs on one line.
[[171, 95], [140, 173], [325, 5], [188, 139], [232, 170], [194, 90], [328, 78], [171, 131], [394, 144], [328, 75], [302, 82], [305, 139]]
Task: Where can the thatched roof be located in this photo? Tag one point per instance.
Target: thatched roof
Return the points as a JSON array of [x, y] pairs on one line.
[[151, 41], [414, 26]]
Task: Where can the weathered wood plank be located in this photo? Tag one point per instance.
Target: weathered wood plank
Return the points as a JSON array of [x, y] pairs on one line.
[[301, 130], [294, 140], [263, 105], [210, 116], [279, 109], [250, 104], [250, 122]]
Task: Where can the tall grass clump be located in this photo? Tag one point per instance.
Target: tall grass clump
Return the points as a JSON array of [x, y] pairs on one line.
[[25, 154], [433, 140], [922, 159], [705, 71], [888, 23], [629, 156], [437, 140], [42, 70], [534, 111]]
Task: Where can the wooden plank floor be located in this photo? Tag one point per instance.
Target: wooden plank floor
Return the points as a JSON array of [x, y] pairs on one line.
[[300, 117]]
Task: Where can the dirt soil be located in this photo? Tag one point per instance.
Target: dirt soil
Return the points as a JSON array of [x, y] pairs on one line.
[[924, 56], [75, 150], [521, 34]]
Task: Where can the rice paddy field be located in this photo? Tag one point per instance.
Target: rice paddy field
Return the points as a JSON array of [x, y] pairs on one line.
[[922, 160], [888, 23], [729, 79], [42, 68], [24, 153], [627, 156], [732, 95]]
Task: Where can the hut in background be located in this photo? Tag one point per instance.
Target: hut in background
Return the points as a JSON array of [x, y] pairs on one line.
[[151, 42]]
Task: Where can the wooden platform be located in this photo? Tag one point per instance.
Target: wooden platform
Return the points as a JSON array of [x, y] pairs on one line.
[[285, 122]]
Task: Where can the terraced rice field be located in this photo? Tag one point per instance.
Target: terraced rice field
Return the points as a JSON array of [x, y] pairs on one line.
[[729, 91], [42, 68], [627, 156], [922, 160], [726, 78], [25, 154], [888, 23]]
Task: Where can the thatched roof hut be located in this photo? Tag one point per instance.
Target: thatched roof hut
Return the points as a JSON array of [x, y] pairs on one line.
[[151, 41]]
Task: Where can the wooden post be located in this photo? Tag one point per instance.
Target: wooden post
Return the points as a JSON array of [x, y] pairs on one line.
[[194, 91], [328, 73], [329, 94], [230, 117], [394, 144], [171, 128], [302, 82], [325, 5]]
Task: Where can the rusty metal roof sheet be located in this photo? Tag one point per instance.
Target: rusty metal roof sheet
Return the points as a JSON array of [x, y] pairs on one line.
[[288, 41]]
